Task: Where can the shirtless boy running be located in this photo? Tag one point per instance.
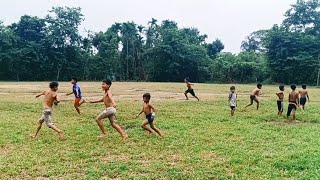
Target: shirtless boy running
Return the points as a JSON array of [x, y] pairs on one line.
[[254, 96], [109, 112], [50, 98]]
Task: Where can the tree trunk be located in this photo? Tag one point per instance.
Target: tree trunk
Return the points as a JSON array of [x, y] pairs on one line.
[[127, 75], [17, 75], [58, 73], [318, 71]]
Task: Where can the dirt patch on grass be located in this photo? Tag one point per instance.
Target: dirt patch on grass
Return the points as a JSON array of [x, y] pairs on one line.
[[286, 123]]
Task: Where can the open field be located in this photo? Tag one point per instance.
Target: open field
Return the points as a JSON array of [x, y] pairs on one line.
[[201, 140]]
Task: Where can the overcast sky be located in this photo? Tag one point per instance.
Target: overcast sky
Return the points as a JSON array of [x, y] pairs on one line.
[[229, 20]]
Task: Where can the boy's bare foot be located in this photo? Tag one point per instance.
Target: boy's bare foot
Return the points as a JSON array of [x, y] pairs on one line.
[[33, 136], [102, 136], [61, 136], [125, 137]]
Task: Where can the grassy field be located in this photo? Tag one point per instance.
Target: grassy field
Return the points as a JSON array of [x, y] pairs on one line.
[[201, 140]]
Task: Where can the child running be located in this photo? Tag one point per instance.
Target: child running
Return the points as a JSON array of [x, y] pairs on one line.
[[293, 102], [254, 96], [189, 90], [280, 95], [303, 96], [149, 110], [109, 112], [77, 93], [233, 100], [50, 98]]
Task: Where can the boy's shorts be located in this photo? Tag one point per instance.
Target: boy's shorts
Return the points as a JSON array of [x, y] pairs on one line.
[[150, 117], [290, 108], [303, 101], [110, 112], [253, 97], [232, 107], [77, 101], [46, 117], [280, 106], [191, 91]]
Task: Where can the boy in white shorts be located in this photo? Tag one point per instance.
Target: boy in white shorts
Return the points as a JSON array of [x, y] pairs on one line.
[[50, 98], [109, 112]]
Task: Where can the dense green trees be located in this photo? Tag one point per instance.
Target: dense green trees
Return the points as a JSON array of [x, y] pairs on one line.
[[51, 48]]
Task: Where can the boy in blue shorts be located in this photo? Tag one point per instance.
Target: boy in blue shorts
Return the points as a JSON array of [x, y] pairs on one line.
[[303, 96], [149, 110]]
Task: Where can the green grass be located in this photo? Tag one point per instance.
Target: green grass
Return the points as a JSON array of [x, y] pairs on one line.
[[201, 140]]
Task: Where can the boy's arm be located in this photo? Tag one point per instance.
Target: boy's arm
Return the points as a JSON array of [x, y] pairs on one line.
[[57, 99], [308, 96], [69, 94], [97, 101], [139, 113], [40, 94], [153, 108]]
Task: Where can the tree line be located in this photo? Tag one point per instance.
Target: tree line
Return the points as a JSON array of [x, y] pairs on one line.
[[51, 48]]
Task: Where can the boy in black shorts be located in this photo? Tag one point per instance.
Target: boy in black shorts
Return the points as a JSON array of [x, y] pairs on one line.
[[293, 102], [189, 90], [147, 109], [280, 95], [254, 96]]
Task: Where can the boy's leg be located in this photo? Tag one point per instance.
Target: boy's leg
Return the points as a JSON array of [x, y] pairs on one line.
[[185, 93], [194, 95], [155, 129], [82, 101], [251, 102], [117, 127], [38, 128], [145, 127], [101, 126], [258, 103], [289, 110], [293, 114], [60, 132], [77, 104]]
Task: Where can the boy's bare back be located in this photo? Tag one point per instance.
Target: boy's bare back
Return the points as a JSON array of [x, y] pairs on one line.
[[293, 96], [188, 85], [303, 93]]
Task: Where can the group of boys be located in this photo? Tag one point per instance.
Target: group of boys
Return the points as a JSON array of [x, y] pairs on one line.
[[295, 99], [51, 97]]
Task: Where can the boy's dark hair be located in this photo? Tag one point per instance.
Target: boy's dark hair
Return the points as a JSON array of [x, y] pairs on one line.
[[293, 86], [281, 87], [304, 86], [75, 79], [187, 79], [53, 84], [232, 88], [259, 85], [107, 81], [147, 96]]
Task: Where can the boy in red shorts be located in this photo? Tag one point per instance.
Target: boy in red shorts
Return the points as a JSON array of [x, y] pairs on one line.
[[77, 93]]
